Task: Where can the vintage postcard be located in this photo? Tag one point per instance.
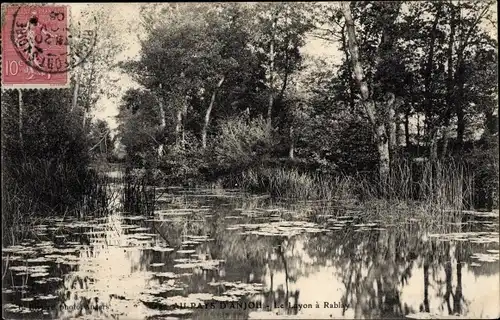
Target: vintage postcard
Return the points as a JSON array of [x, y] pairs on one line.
[[250, 160]]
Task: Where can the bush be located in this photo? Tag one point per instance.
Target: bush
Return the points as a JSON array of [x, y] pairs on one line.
[[45, 161], [240, 145], [183, 164]]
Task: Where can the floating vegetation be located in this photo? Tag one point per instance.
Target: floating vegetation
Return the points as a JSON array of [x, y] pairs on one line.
[[125, 261], [366, 225], [281, 228], [161, 249], [426, 315], [201, 296], [492, 214], [157, 264], [142, 236], [206, 264], [134, 218], [198, 238], [169, 275], [190, 242], [39, 274], [239, 288], [49, 280], [32, 269], [474, 237], [186, 251], [13, 258], [163, 288], [170, 301], [47, 297], [61, 250], [225, 298], [27, 299], [485, 257], [12, 308], [176, 212]]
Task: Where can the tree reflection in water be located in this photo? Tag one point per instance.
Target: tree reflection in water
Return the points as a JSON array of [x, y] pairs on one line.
[[368, 272]]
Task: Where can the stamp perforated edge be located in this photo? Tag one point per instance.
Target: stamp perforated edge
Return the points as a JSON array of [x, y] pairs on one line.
[[38, 86]]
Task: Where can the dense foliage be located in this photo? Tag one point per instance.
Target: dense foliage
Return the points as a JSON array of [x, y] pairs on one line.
[[229, 87], [50, 144]]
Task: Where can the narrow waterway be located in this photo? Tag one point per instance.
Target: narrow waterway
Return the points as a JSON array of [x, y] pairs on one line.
[[207, 254]]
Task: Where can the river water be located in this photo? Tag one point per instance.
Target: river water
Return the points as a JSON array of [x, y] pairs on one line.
[[208, 254]]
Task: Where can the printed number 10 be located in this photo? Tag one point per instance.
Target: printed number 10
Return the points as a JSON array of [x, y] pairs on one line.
[[13, 68]]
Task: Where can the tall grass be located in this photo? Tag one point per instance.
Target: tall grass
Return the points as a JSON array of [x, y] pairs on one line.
[[39, 189], [441, 185], [138, 192], [429, 185], [290, 183]]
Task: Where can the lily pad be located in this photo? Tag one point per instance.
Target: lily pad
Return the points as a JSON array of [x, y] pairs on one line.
[[186, 251], [157, 264]]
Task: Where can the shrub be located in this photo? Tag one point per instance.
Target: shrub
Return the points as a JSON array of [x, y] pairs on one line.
[[240, 145]]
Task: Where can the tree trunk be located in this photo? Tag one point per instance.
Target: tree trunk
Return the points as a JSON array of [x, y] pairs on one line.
[[457, 298], [84, 120], [292, 143], [271, 76], [490, 122], [428, 93], [391, 124], [407, 129], [345, 48], [460, 119], [448, 281], [207, 115], [184, 120], [76, 91], [20, 115], [369, 105], [178, 125], [433, 145], [400, 131], [450, 84], [446, 140], [426, 286], [163, 125]]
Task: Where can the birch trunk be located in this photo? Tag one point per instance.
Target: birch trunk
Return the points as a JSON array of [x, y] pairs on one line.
[[292, 143], [20, 118], [183, 127], [433, 145], [163, 125], [271, 77], [400, 131], [178, 125], [84, 120], [392, 127], [450, 84], [407, 129], [368, 103], [207, 115], [75, 91]]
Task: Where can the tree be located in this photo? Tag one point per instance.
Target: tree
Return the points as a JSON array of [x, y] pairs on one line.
[[367, 100]]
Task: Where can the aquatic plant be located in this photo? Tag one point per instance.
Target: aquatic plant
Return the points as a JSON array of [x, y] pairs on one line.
[[40, 189], [138, 191], [431, 186]]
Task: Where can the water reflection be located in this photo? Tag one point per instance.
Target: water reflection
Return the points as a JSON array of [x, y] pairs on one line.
[[228, 256]]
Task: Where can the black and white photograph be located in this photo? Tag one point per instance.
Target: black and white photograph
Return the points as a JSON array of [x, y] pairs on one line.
[[250, 160]]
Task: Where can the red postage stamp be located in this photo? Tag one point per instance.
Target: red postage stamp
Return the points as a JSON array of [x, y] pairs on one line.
[[35, 47]]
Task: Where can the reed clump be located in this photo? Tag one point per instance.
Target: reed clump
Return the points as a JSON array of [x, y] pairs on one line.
[[428, 185], [138, 191], [38, 189]]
